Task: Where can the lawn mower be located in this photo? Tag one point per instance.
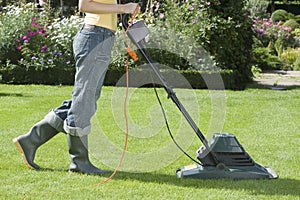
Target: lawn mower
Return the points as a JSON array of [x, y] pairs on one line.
[[222, 156]]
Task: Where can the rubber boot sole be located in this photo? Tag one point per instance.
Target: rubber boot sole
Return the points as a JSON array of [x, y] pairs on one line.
[[20, 149]]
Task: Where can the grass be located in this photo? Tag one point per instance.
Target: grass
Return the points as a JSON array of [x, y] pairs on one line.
[[266, 123]]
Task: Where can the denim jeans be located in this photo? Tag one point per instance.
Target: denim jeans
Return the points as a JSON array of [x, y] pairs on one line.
[[92, 51]]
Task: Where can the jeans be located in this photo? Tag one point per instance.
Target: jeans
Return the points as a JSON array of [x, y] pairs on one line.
[[92, 51]]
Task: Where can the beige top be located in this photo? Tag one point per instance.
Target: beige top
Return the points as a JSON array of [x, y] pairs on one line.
[[104, 20]]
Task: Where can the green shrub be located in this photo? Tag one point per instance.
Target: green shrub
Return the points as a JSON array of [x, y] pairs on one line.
[[296, 65], [263, 59], [293, 24], [232, 39], [222, 27], [296, 34], [290, 57], [258, 8], [17, 74], [194, 77], [281, 15], [297, 18]]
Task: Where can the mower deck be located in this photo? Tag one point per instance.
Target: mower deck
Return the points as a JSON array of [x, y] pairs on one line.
[[226, 172]]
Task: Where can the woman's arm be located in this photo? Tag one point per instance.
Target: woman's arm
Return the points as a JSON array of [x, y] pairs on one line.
[[91, 6]]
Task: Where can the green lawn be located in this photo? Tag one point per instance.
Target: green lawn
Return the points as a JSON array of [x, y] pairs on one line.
[[266, 122]]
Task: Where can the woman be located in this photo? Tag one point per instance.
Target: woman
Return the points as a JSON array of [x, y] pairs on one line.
[[92, 50]]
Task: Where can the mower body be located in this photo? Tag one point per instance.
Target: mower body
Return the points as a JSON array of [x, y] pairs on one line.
[[231, 161]]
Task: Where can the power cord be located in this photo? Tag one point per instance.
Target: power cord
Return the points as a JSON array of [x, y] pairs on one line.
[[167, 124]]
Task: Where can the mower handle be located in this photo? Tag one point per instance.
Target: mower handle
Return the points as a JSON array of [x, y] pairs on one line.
[[136, 36], [125, 21], [126, 16]]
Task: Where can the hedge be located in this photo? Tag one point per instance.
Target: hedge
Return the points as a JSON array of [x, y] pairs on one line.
[[114, 77], [49, 76]]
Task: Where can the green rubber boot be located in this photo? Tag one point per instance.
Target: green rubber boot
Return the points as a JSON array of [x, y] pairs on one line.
[[40, 133], [79, 156], [28, 144]]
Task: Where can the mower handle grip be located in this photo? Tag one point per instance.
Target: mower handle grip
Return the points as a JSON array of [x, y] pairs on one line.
[[126, 16]]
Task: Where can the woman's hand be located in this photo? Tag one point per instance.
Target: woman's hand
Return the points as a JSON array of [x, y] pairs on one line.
[[130, 8]]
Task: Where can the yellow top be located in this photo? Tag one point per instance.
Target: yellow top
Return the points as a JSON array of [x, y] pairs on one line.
[[104, 20]]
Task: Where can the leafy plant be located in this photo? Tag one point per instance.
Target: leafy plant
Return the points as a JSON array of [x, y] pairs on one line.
[[258, 8], [40, 42], [296, 65], [48, 46], [33, 47], [263, 59], [13, 21], [290, 57], [281, 15], [293, 24]]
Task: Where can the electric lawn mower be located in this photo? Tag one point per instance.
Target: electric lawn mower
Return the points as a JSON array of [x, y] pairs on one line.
[[221, 157]]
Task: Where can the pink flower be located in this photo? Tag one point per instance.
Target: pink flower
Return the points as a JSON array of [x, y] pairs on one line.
[[261, 30], [289, 29], [161, 15], [19, 48], [24, 38], [41, 31], [268, 24], [34, 24], [41, 2], [157, 5], [30, 33], [191, 8], [44, 48]]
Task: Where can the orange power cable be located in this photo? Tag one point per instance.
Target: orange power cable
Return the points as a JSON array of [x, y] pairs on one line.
[[125, 100]]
